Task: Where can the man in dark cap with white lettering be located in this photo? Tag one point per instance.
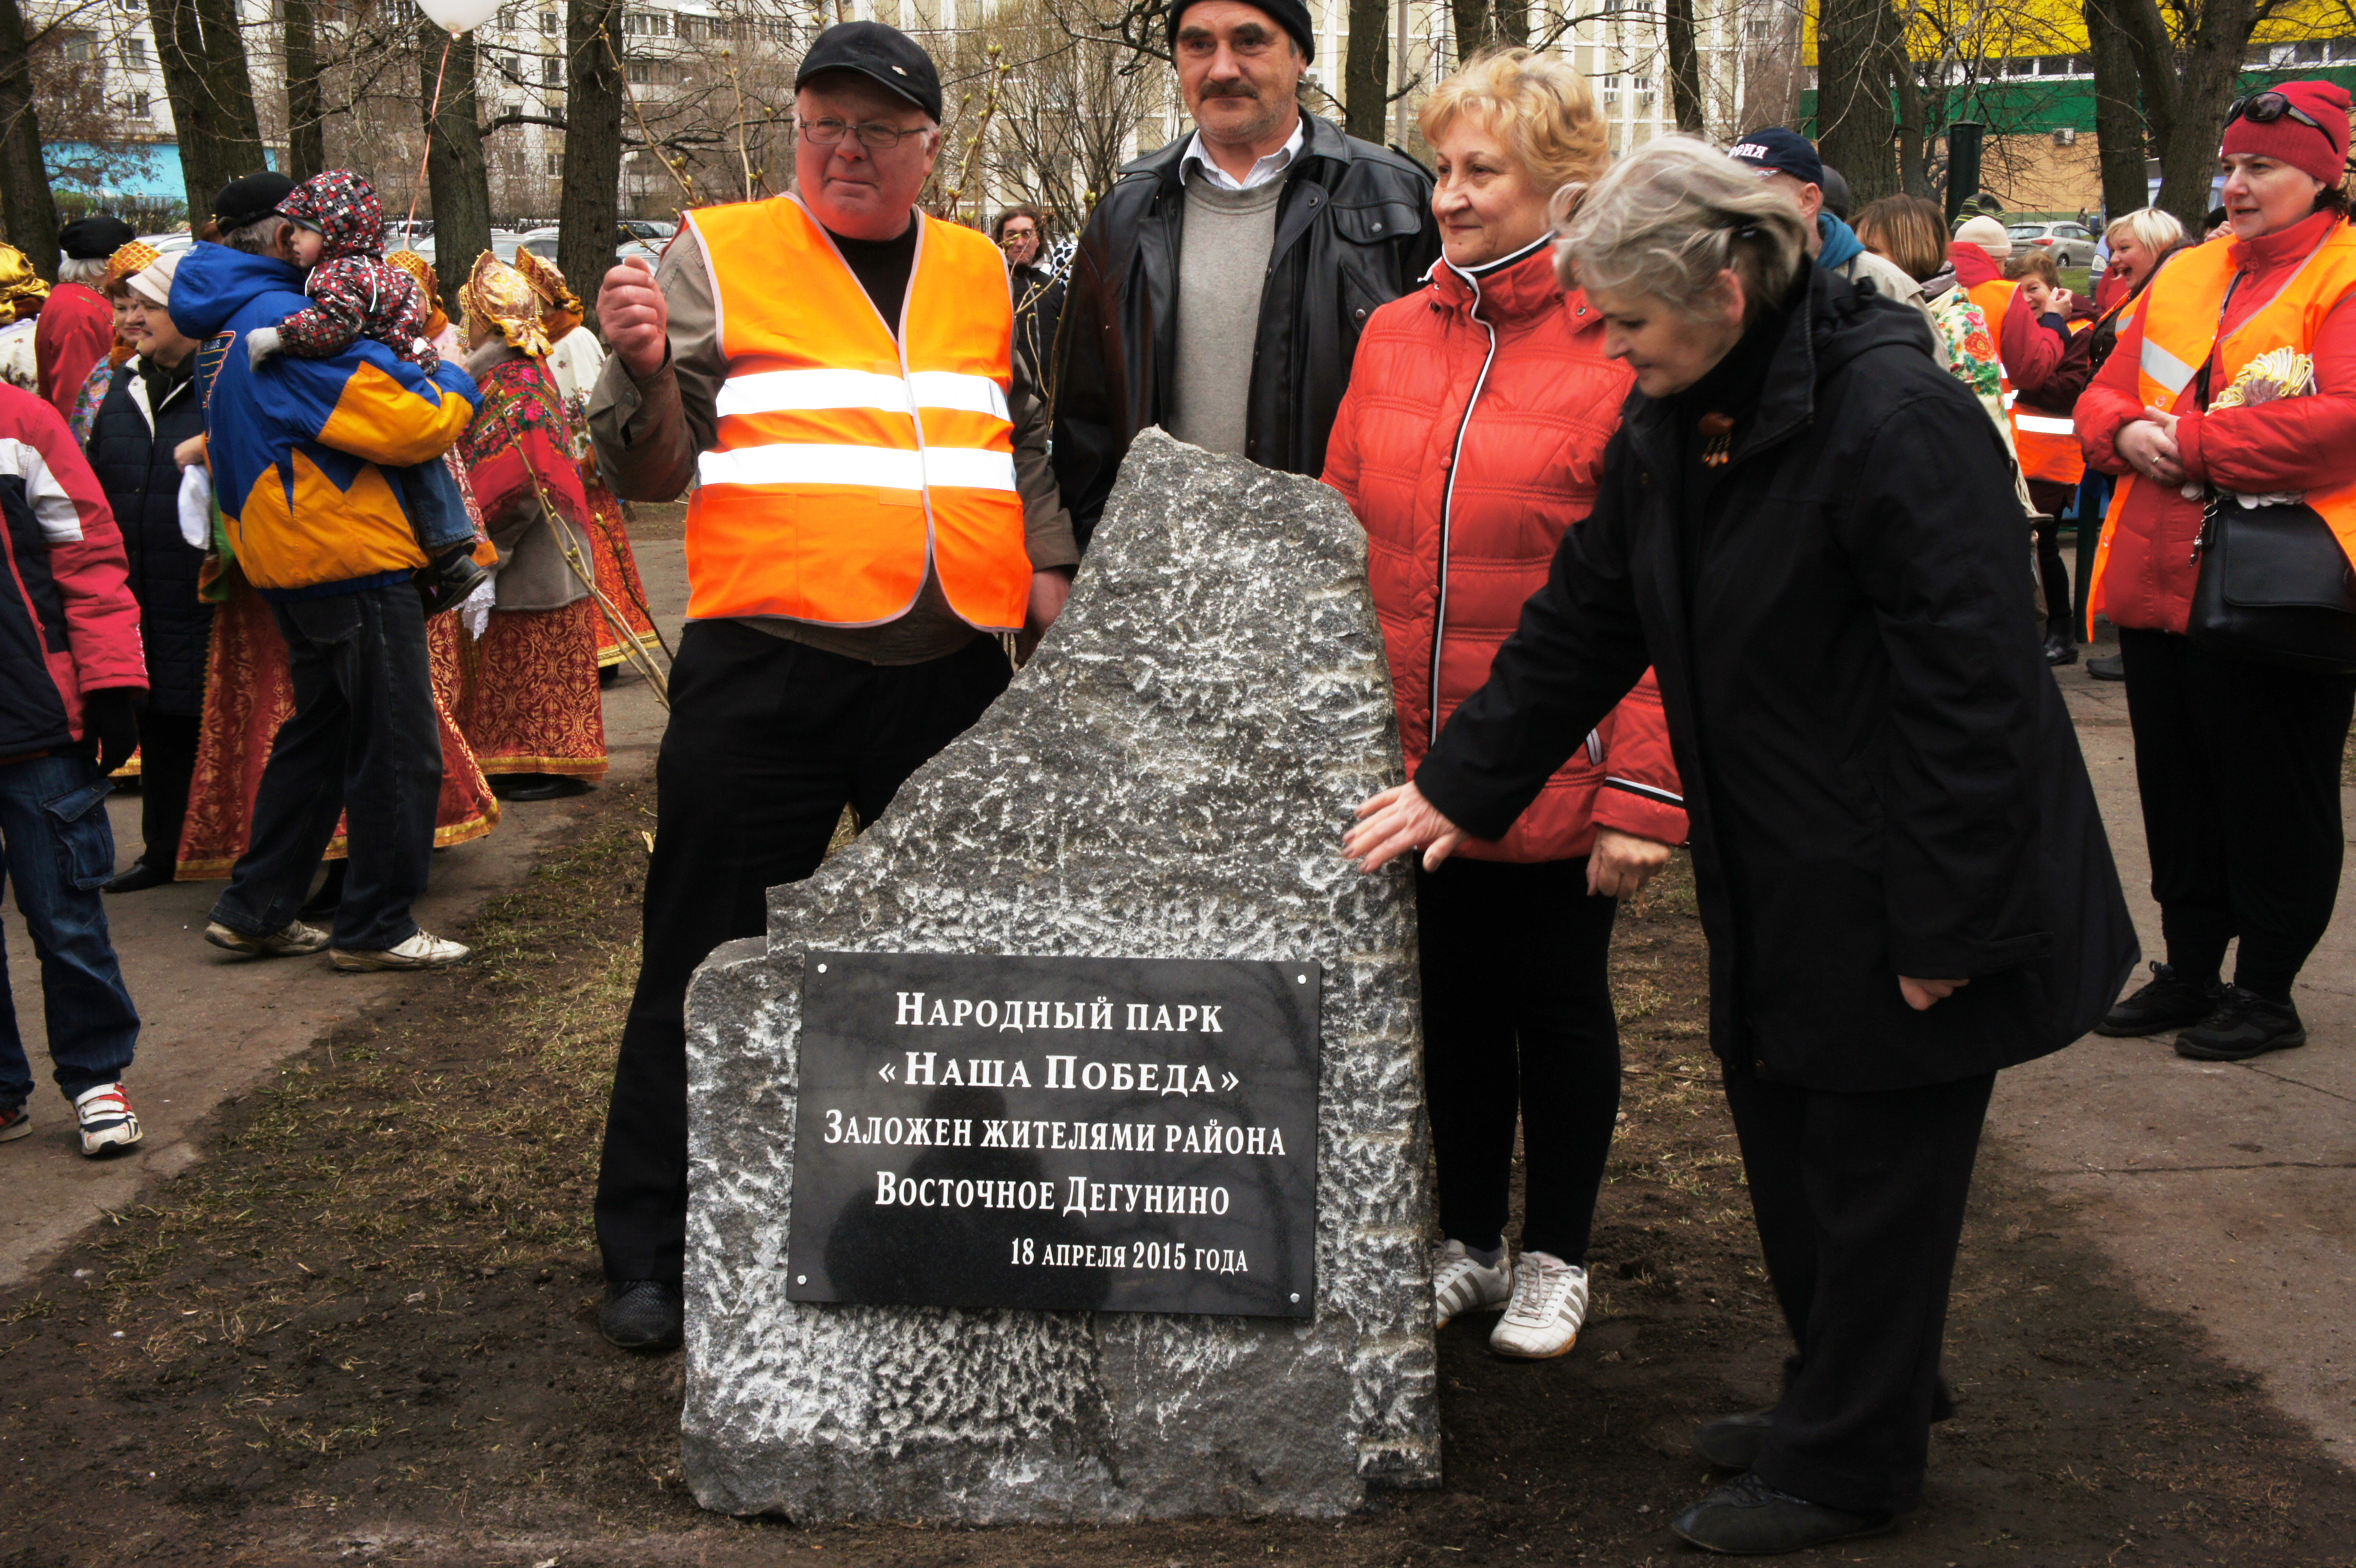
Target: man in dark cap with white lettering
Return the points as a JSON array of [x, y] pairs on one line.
[[77, 325], [873, 503], [1220, 286]]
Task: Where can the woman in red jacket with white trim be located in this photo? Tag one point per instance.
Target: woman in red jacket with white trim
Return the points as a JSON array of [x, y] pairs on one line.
[[2237, 761], [1471, 438]]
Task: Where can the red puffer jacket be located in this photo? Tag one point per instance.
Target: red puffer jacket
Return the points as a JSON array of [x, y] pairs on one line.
[[1471, 438]]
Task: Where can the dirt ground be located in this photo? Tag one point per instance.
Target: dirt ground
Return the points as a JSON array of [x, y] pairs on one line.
[[363, 1330]]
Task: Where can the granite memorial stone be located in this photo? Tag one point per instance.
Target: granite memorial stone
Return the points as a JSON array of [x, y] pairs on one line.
[[1167, 779]]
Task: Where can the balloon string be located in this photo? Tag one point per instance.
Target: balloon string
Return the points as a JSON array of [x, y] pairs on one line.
[[432, 113]]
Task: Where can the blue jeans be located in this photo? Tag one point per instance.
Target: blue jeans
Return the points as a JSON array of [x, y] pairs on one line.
[[60, 850], [364, 744], [435, 508]]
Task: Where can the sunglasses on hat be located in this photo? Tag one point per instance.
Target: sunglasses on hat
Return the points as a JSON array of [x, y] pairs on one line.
[[2265, 108]]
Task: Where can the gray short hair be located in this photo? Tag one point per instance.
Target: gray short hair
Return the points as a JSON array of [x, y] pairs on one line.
[[1669, 218], [82, 269], [259, 238]]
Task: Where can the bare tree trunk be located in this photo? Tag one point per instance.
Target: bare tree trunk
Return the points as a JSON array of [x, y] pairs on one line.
[[1914, 132], [306, 135], [1854, 127], [1685, 67], [180, 50], [2185, 92], [1366, 71], [230, 85], [1472, 26], [592, 146], [2118, 112], [26, 208], [453, 157], [1513, 23]]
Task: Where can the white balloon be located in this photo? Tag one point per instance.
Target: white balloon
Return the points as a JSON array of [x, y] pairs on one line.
[[460, 15]]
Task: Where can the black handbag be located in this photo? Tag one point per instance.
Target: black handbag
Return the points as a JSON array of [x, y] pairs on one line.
[[2275, 586]]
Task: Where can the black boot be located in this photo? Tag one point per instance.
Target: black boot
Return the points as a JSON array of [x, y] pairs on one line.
[[2244, 1024], [2171, 1000], [642, 1314], [1748, 1518], [1733, 1442]]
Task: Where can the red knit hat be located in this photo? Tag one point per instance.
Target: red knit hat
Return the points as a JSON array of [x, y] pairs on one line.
[[2294, 142]]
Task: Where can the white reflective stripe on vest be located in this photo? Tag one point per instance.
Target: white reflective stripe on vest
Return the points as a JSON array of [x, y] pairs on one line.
[[786, 392], [878, 468], [2042, 423], [2165, 367]]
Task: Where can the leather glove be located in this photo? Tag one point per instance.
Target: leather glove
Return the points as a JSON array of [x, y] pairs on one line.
[[260, 345], [110, 726]]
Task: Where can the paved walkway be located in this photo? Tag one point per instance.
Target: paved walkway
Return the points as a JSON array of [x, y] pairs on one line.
[[2227, 1191], [216, 1026]]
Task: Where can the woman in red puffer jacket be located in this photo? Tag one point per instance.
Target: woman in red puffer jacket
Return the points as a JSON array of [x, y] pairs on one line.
[[1470, 439]]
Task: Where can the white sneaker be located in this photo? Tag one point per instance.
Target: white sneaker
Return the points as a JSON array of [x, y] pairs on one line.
[[1548, 1306], [1462, 1282], [107, 1120], [423, 949]]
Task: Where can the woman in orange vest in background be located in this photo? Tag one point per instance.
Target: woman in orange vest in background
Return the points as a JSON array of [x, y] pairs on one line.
[[2029, 343], [2237, 760]]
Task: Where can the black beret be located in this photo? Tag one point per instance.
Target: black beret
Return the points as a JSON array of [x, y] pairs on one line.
[[95, 238], [1292, 15], [250, 199]]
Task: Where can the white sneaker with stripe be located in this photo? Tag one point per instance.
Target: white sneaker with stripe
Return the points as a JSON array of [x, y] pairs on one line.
[[107, 1121], [1462, 1282], [1549, 1307]]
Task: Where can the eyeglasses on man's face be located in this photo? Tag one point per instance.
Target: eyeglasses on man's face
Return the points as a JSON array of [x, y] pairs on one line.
[[875, 138]]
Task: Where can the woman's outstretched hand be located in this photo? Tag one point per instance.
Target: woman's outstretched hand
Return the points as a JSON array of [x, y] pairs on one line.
[[1396, 821]]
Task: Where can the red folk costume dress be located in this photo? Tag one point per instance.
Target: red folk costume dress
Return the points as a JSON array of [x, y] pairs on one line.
[[532, 702], [575, 359]]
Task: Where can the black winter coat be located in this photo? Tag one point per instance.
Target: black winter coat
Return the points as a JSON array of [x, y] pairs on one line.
[[1879, 772], [1038, 306], [1353, 231], [131, 450]]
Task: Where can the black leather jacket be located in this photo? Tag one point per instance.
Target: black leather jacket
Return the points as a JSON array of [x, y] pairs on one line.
[[1353, 232]]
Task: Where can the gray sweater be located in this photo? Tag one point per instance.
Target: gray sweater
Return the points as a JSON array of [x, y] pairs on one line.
[[1222, 264]]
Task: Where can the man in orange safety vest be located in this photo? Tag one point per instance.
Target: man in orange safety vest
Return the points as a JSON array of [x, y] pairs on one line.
[[873, 507]]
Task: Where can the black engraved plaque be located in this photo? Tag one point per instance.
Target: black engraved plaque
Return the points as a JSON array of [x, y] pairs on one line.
[[1104, 1134]]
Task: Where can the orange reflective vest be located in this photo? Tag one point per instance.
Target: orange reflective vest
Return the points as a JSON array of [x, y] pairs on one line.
[[2048, 442], [847, 461], [2183, 308]]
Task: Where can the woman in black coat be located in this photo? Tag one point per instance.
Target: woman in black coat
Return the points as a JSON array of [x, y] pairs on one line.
[[149, 410], [1808, 527]]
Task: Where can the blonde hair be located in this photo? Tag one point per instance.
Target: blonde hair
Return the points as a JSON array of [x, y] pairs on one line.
[[1539, 103], [1669, 218], [2155, 230]]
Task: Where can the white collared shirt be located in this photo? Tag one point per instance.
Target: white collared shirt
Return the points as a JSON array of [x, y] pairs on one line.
[[1265, 169]]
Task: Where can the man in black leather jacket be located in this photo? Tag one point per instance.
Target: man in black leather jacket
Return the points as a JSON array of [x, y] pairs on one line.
[[1351, 230]]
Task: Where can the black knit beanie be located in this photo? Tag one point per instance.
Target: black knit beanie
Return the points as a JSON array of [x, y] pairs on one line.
[[1292, 15]]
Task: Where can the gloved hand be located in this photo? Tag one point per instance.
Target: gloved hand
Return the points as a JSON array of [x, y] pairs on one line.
[[261, 344], [110, 726]]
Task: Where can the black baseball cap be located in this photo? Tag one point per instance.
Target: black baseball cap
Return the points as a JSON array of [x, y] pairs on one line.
[[250, 199], [883, 55], [1778, 151]]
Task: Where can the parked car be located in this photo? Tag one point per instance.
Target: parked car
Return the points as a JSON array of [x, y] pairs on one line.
[[655, 231], [2071, 244], [543, 242]]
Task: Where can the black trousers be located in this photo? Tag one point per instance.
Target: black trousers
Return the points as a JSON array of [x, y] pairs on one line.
[[168, 764], [2238, 766], [363, 739], [1859, 1200], [2053, 500], [768, 741], [1517, 1025]]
